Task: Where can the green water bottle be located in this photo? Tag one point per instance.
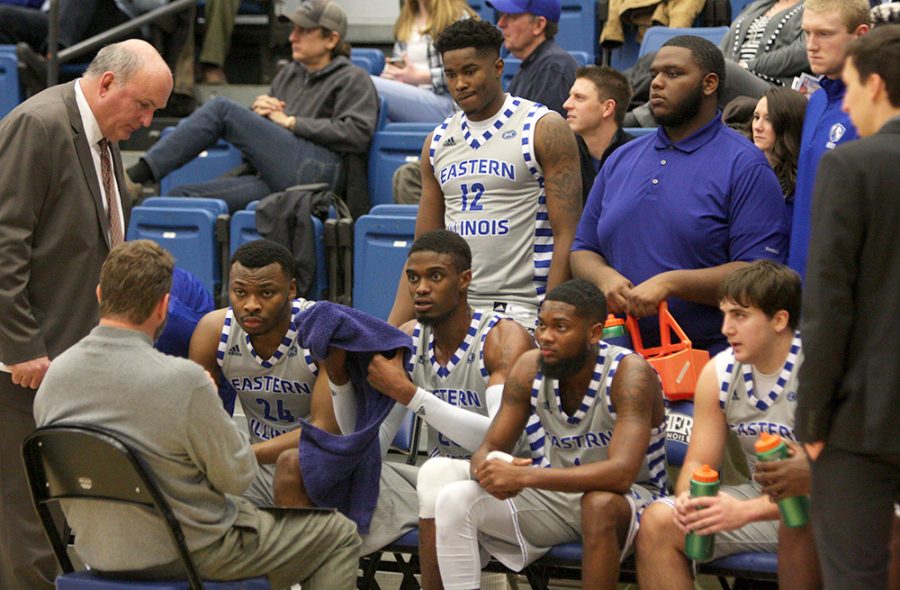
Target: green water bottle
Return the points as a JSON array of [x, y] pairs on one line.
[[704, 482], [794, 510], [614, 332]]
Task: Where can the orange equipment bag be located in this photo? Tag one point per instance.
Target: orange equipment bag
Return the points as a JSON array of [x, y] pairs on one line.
[[678, 364]]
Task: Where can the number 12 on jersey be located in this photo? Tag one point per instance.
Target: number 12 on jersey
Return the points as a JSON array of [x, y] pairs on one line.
[[477, 190]]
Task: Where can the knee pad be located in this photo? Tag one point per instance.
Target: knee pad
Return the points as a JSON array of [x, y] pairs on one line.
[[457, 502], [433, 476]]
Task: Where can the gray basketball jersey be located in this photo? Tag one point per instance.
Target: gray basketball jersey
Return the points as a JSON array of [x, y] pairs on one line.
[[748, 411], [274, 392], [494, 197], [461, 383], [559, 440]]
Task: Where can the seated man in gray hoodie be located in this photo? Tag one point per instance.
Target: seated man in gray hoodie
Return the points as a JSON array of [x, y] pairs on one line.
[[319, 118]]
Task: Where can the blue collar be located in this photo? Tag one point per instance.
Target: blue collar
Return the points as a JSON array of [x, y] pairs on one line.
[[693, 142], [834, 89]]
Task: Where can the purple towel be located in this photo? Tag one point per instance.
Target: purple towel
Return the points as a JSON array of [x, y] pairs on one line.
[[343, 471]]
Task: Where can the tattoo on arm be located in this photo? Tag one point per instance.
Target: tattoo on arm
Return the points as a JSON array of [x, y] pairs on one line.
[[558, 155], [636, 392]]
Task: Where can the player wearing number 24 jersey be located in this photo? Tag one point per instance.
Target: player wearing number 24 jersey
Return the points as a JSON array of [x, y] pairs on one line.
[[253, 347]]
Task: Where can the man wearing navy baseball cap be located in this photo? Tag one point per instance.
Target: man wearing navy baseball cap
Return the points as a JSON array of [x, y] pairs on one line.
[[547, 71]]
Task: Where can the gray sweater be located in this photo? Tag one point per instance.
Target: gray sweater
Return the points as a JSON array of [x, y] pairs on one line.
[[336, 107], [168, 411], [782, 51]]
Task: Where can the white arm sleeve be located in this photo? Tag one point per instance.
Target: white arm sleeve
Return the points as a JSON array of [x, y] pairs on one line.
[[343, 398], [465, 428], [388, 429]]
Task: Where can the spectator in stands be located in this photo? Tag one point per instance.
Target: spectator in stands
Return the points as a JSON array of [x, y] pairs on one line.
[[764, 47], [503, 173], [594, 418], [644, 14], [58, 220], [830, 25], [23, 23], [168, 411], [547, 70], [594, 111], [848, 413], [413, 81], [777, 125], [673, 213], [314, 127], [885, 14], [747, 389], [82, 19], [219, 16]]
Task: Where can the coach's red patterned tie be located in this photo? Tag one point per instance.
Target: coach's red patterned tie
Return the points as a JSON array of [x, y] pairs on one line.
[[112, 199]]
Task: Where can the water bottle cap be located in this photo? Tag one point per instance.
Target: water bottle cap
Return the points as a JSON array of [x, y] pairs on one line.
[[612, 321], [767, 442], [705, 474]]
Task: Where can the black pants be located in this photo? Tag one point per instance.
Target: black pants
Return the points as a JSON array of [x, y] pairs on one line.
[[853, 497]]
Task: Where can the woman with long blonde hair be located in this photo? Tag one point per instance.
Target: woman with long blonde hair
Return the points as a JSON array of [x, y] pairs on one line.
[[412, 82]]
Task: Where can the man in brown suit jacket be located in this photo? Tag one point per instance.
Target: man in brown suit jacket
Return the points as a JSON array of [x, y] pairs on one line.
[[60, 166]]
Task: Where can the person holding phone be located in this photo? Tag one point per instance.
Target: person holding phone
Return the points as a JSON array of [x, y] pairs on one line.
[[412, 82]]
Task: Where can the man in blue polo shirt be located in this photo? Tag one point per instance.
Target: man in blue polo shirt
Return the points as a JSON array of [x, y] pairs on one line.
[[672, 214], [829, 26]]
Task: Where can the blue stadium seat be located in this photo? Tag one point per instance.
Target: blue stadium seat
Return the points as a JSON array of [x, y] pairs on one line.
[[392, 209], [209, 164], [243, 230], [414, 127], [511, 67], [640, 131], [10, 93], [656, 36], [214, 206], [578, 27], [582, 58], [188, 234], [483, 10], [406, 441], [624, 56], [370, 59], [388, 151], [738, 6], [380, 246]]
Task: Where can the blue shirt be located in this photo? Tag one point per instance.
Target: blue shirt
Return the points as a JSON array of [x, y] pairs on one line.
[[824, 127], [656, 206], [188, 302]]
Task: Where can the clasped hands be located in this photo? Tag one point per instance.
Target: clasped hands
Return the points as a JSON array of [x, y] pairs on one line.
[[638, 301], [272, 108]]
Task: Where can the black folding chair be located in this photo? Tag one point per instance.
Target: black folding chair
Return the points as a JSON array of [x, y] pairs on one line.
[[86, 462]]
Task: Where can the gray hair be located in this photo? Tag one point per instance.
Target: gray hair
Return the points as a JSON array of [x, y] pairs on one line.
[[118, 59]]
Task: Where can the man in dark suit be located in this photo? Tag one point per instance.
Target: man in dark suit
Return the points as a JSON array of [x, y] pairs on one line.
[[63, 205], [848, 412]]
